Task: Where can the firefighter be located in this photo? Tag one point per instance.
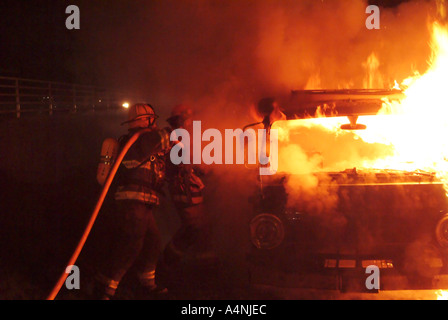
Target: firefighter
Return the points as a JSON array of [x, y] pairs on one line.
[[139, 181], [192, 239]]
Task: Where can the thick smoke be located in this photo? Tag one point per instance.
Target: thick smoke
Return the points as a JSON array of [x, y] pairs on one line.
[[309, 148], [221, 57]]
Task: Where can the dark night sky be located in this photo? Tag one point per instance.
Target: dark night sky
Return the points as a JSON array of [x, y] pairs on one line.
[[36, 44], [118, 37], [30, 39]]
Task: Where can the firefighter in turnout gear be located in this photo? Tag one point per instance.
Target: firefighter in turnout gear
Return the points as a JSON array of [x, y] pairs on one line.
[[192, 240], [184, 183], [138, 185]]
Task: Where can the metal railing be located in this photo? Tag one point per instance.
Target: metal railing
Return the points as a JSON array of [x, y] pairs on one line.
[[19, 95]]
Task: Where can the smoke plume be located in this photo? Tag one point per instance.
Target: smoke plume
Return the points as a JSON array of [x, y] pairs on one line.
[[221, 57]]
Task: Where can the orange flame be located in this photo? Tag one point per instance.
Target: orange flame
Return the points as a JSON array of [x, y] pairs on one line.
[[416, 127], [411, 134], [442, 295]]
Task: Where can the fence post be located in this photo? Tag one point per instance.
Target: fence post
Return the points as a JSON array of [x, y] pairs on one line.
[[50, 98], [93, 98], [75, 107], [107, 99], [17, 98]]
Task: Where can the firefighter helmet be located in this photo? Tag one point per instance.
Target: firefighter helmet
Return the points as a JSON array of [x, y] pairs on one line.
[[179, 115], [138, 112]]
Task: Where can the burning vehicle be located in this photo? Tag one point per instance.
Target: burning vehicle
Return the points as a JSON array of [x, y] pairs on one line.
[[347, 196]]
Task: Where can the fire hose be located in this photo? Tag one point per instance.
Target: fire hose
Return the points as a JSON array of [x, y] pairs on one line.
[[54, 292]]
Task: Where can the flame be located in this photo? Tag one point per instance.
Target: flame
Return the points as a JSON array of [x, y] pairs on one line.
[[416, 126], [409, 134], [412, 133], [442, 295], [373, 78]]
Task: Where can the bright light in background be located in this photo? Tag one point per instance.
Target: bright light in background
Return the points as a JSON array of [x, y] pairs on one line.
[[125, 105]]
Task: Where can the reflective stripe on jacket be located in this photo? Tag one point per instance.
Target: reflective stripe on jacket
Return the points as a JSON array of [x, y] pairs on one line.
[[142, 171], [140, 193], [184, 185]]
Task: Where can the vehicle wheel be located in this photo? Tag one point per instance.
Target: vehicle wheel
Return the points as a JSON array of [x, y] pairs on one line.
[[266, 231]]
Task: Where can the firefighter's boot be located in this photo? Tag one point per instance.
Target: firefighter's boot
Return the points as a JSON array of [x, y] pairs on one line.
[[148, 289], [104, 288]]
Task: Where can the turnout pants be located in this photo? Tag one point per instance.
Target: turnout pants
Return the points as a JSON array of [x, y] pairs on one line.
[[136, 237]]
